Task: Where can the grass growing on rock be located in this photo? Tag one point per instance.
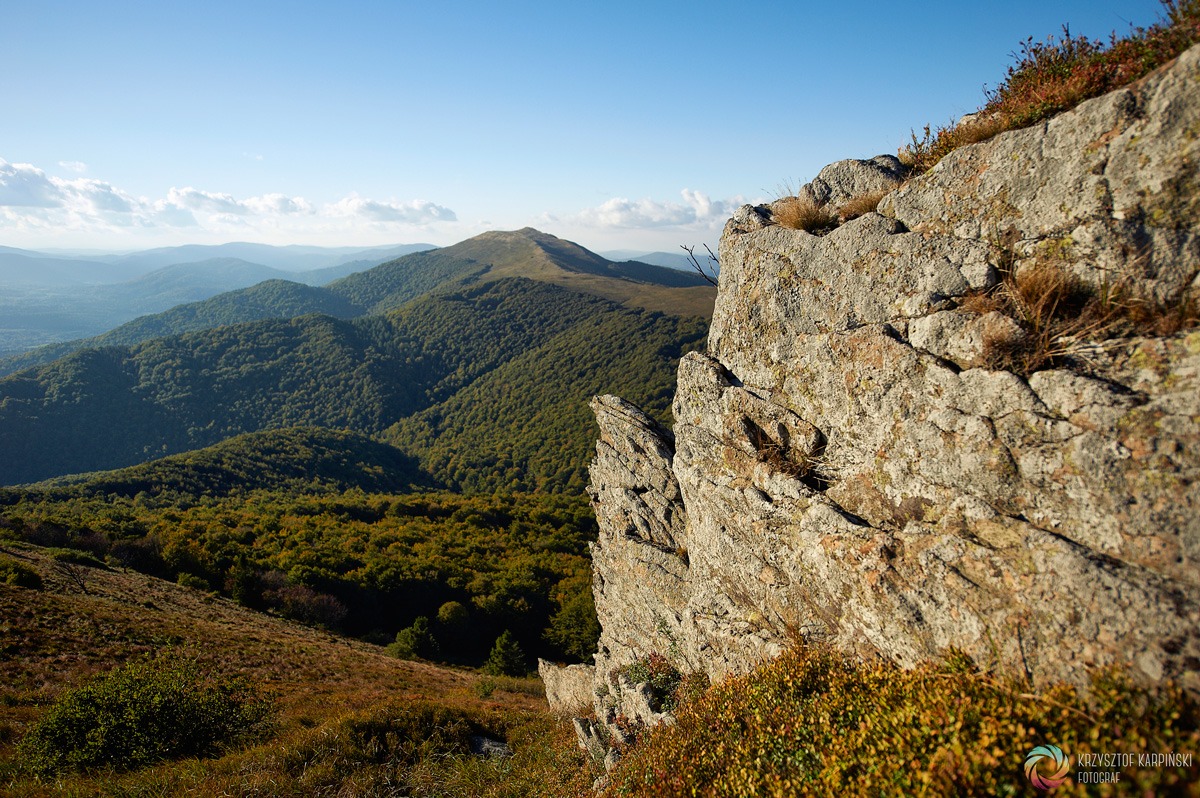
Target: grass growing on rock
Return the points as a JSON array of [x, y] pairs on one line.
[[815, 723], [1062, 320], [802, 213], [1058, 74]]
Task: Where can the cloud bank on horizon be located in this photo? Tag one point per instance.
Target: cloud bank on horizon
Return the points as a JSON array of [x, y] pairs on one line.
[[34, 203], [86, 211]]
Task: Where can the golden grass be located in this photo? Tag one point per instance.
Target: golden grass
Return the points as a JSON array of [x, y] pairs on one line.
[[802, 213], [861, 205], [55, 638], [1063, 320]]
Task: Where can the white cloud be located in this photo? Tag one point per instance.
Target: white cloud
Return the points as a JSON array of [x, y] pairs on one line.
[[414, 212], [78, 167], [36, 207], [97, 197], [697, 209], [196, 200], [279, 204], [24, 185]]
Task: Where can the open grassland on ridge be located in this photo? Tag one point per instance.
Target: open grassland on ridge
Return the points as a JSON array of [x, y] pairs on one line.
[[332, 695]]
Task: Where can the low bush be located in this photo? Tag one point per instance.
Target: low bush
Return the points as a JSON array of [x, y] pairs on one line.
[[663, 678], [142, 713], [76, 557], [192, 581], [424, 749], [815, 723], [18, 574]]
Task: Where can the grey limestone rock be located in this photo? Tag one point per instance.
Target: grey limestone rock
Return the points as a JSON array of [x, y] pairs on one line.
[[840, 182], [846, 467], [569, 688]]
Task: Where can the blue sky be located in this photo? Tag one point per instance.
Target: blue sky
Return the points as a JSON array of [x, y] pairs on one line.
[[619, 125]]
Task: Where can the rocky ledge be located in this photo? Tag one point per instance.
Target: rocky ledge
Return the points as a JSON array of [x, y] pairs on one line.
[[850, 463]]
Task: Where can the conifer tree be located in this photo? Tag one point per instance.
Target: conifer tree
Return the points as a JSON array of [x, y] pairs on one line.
[[507, 658]]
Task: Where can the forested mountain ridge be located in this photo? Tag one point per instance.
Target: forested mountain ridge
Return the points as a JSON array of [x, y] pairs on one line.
[[293, 460], [119, 406]]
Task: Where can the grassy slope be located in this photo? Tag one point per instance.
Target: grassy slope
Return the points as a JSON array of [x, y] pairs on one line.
[[55, 638]]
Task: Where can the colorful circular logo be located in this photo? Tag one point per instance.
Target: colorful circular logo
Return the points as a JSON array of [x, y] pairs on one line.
[[1054, 758]]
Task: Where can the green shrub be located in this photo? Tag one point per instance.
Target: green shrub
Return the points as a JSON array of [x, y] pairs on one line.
[[191, 580], [18, 574], [76, 557], [816, 723], [662, 677], [416, 641], [507, 658], [452, 615], [142, 713]]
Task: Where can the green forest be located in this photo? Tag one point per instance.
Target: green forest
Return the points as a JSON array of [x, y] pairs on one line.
[[521, 347], [363, 564]]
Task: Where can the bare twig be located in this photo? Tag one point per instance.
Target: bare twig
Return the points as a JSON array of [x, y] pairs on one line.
[[714, 267]]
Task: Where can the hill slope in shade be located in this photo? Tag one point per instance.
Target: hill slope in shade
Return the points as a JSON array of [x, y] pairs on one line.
[[519, 426], [293, 460]]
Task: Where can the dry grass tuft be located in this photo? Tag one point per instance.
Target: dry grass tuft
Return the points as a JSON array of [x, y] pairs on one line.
[[802, 213], [861, 205], [1062, 319]]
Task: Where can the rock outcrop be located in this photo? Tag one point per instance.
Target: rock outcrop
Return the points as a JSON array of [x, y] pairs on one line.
[[848, 465]]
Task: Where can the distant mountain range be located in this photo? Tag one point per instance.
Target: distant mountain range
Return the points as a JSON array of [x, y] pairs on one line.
[[476, 359], [525, 253], [46, 299], [47, 270], [671, 260]]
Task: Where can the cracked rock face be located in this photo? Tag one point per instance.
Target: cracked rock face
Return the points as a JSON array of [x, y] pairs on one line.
[[846, 468]]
